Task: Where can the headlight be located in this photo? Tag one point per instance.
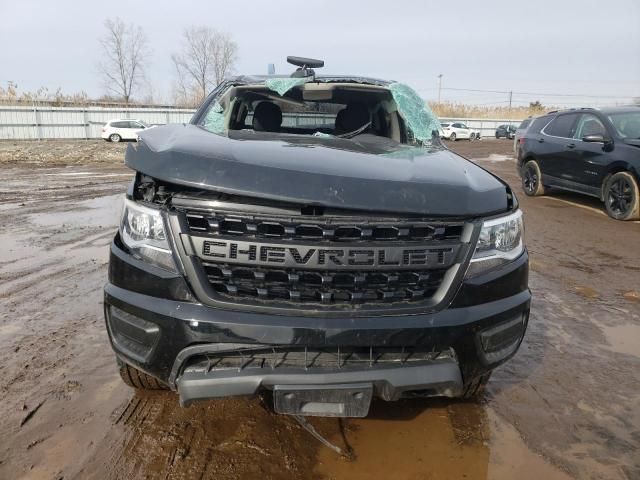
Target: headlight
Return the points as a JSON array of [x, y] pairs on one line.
[[142, 230], [500, 241]]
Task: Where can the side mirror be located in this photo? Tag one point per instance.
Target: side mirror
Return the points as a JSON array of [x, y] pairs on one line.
[[594, 139]]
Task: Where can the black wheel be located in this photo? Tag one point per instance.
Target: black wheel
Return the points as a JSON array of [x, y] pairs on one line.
[[472, 137], [475, 388], [140, 380], [114, 137], [497, 135], [532, 179], [621, 197], [452, 137]]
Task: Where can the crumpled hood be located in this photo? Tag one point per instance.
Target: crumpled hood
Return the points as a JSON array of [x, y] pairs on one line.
[[376, 175]]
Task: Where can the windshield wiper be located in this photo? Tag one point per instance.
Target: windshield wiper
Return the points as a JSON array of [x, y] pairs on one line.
[[355, 132]]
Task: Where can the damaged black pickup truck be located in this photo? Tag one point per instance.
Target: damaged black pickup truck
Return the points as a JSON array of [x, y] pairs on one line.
[[310, 236]]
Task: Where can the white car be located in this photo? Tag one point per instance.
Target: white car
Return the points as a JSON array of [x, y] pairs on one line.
[[123, 129], [456, 130]]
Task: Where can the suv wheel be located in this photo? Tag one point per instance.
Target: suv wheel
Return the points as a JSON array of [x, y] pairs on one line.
[[532, 179], [114, 137], [475, 388], [140, 380], [452, 137], [621, 197]]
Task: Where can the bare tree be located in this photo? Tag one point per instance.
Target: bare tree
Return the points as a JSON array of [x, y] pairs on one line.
[[125, 53], [207, 56]]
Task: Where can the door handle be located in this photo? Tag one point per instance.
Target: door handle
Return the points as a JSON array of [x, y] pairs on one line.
[[541, 140], [571, 146]]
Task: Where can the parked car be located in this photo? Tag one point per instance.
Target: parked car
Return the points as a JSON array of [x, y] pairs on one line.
[[594, 152], [519, 132], [123, 129], [457, 130], [329, 260], [506, 131]]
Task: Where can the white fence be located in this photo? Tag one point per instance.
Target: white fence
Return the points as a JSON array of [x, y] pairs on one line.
[[40, 122]]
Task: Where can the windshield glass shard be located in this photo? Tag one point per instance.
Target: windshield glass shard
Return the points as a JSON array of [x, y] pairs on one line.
[[214, 120], [283, 85]]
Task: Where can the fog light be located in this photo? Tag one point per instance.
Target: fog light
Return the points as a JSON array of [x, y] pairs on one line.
[[500, 341], [133, 335]]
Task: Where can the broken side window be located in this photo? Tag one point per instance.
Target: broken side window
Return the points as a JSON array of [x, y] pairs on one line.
[[214, 120], [419, 118]]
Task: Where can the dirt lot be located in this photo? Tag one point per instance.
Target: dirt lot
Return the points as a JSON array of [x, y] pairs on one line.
[[567, 406]]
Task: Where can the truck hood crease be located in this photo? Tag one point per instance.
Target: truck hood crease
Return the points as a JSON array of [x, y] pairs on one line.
[[369, 174]]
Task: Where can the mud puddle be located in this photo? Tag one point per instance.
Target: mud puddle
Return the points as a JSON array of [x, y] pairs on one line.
[[623, 338], [496, 157], [438, 441]]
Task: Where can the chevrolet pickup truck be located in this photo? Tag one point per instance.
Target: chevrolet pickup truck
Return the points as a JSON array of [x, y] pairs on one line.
[[310, 236]]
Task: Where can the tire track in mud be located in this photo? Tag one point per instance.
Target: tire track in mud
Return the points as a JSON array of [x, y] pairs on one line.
[[40, 266], [163, 440]]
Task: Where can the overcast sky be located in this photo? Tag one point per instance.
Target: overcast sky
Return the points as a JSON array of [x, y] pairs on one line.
[[536, 46]]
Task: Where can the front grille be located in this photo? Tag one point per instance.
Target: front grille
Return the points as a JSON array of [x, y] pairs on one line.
[[244, 277], [329, 231], [309, 358], [327, 287]]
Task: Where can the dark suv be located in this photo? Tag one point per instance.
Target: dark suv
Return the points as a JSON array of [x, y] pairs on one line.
[[506, 131], [595, 152], [311, 236]]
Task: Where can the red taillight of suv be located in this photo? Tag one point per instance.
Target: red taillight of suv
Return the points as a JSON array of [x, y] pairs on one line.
[[521, 140]]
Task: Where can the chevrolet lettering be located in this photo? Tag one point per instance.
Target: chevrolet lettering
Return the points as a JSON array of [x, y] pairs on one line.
[[317, 258]]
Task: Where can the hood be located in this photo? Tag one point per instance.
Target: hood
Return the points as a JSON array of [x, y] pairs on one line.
[[367, 173]]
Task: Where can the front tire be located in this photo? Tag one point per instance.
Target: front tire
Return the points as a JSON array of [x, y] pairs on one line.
[[622, 197], [476, 387], [139, 380], [452, 137], [532, 179], [115, 138]]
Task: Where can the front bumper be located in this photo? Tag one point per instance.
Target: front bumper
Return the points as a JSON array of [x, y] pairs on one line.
[[439, 378], [155, 325]]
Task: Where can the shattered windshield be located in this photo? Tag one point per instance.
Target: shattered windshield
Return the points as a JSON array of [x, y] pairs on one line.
[[300, 106]]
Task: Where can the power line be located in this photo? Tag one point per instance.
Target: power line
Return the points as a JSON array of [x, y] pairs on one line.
[[506, 92]]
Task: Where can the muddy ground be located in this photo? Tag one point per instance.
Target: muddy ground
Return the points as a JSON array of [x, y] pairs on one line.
[[567, 406]]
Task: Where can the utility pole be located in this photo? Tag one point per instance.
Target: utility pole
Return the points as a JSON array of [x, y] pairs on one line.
[[439, 87], [510, 99]]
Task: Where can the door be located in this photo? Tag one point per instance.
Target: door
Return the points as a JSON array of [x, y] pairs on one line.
[[133, 129], [554, 149], [120, 128], [590, 158], [464, 131]]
